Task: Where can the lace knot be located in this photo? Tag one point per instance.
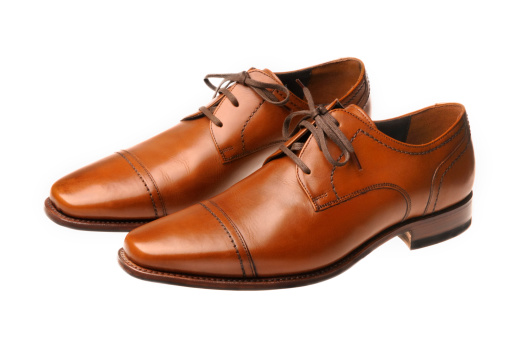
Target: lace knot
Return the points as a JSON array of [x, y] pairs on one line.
[[243, 78], [323, 127]]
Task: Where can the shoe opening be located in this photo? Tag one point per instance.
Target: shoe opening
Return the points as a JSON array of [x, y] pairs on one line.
[[326, 82], [423, 126]]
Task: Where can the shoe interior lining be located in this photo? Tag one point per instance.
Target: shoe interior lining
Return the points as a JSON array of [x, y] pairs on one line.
[[423, 126], [326, 82]]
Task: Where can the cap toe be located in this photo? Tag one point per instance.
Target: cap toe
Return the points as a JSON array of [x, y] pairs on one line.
[[106, 189], [191, 241]]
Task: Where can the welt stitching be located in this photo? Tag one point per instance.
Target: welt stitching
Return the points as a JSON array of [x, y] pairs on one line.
[[230, 237], [144, 183], [337, 264], [79, 220], [247, 122], [352, 255], [163, 203], [446, 171], [240, 236], [217, 279]]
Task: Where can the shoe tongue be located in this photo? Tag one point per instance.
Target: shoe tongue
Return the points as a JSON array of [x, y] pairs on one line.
[[359, 113], [266, 72], [266, 75]]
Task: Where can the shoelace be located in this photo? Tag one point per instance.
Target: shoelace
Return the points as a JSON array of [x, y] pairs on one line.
[[324, 126], [242, 78]]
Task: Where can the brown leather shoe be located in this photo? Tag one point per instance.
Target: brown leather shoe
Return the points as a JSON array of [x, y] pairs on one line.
[[339, 188], [204, 154]]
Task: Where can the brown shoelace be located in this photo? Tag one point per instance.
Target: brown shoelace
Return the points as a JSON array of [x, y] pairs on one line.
[[323, 127], [242, 78]]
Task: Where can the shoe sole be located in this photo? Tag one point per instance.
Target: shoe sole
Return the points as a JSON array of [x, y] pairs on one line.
[[91, 225], [416, 233]]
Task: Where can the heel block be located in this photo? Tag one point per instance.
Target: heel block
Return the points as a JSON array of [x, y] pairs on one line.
[[440, 226]]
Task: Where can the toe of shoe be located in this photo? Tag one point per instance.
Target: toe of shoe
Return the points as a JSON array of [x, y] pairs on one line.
[[106, 189], [191, 241]]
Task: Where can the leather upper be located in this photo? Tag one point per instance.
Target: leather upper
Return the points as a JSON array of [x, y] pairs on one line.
[[197, 159], [281, 221]]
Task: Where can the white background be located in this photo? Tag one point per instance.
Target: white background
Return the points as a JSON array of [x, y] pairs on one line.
[[82, 79]]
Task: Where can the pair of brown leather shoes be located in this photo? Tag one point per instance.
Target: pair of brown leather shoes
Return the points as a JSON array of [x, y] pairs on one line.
[[338, 186]]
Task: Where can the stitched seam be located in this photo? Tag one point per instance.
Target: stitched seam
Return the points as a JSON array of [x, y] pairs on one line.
[[414, 153], [356, 92], [229, 159], [217, 146], [299, 173], [410, 145], [216, 279], [391, 148], [324, 195], [211, 124], [292, 104], [79, 220], [240, 236], [247, 122], [380, 142], [446, 171], [364, 121], [346, 259], [354, 254], [229, 235], [434, 177], [357, 193], [333, 170], [161, 199], [367, 91], [144, 183], [351, 256]]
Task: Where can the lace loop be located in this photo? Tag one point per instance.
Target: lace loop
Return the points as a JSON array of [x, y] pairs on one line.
[[243, 78], [323, 127]]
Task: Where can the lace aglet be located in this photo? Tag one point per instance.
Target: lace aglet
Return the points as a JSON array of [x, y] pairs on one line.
[[299, 83], [356, 161]]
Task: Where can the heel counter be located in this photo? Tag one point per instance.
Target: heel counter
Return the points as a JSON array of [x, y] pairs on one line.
[[360, 96], [456, 180], [364, 102]]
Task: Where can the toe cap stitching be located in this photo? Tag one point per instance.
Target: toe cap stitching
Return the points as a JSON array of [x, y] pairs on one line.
[[240, 236], [229, 235], [143, 181]]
